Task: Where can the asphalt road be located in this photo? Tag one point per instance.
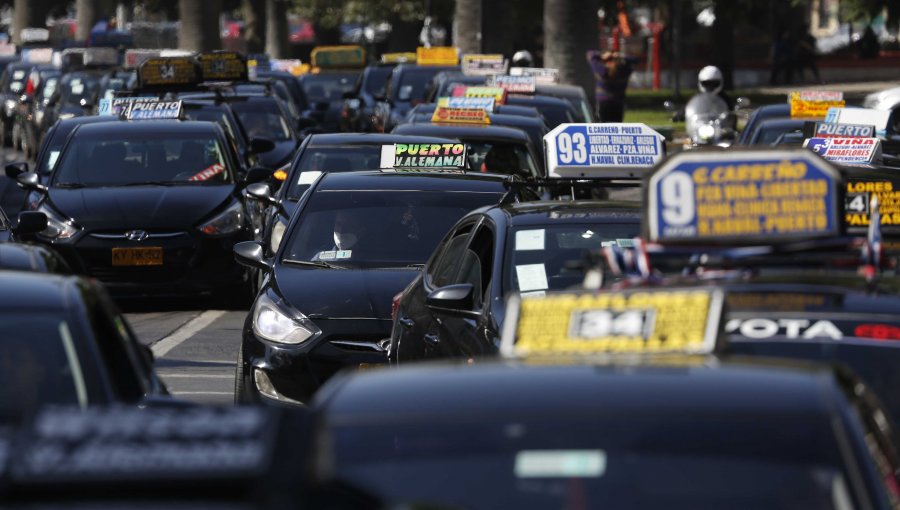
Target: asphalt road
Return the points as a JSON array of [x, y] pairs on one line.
[[195, 347]]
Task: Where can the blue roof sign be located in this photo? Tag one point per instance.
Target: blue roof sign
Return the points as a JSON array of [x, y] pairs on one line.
[[602, 150], [748, 196]]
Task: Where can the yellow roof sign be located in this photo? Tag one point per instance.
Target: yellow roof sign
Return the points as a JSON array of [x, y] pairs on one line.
[[168, 71], [814, 103], [437, 56], [460, 115], [399, 58], [636, 321]]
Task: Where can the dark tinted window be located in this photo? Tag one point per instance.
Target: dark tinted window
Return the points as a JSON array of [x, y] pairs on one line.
[[376, 79], [75, 88], [263, 119], [329, 87], [444, 268], [316, 160], [413, 83]]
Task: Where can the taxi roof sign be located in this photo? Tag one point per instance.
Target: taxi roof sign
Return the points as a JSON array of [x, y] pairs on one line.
[[749, 196], [135, 57], [37, 55], [168, 72], [424, 157], [293, 66], [514, 84], [152, 110], [399, 58], [32, 34], [101, 57], [484, 65], [349, 56], [634, 321], [602, 150], [848, 151], [827, 130], [223, 66], [437, 56], [542, 75], [115, 105], [450, 115], [497, 93], [814, 103], [866, 116], [485, 103]]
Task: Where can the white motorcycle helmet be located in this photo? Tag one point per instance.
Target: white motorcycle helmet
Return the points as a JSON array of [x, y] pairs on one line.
[[710, 80], [523, 58]]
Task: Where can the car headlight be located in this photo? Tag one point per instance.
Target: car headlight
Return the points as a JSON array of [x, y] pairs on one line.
[[272, 322], [227, 222], [277, 234], [57, 227], [706, 132]]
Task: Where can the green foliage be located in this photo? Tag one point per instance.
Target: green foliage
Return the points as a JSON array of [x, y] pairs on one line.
[[331, 13]]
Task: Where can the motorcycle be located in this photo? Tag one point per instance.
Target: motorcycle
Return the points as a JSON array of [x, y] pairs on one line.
[[708, 120]]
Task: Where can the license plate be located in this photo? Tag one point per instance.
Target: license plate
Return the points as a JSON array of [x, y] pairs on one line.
[[152, 256]]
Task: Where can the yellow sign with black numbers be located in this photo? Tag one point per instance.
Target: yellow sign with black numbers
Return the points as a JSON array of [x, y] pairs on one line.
[[617, 322], [223, 66], [168, 71], [858, 200]]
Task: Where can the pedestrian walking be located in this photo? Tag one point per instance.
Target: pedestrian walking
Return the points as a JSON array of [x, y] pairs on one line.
[[611, 74]]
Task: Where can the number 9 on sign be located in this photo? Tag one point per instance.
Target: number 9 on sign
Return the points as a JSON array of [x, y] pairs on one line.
[[572, 148], [676, 192]]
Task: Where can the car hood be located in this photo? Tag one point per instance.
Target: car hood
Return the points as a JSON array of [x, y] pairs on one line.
[[342, 293], [279, 156], [139, 207]]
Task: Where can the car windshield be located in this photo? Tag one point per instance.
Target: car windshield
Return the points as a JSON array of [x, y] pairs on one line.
[[262, 119], [129, 158], [49, 87], [376, 79], [317, 160], [329, 87], [377, 228], [551, 257], [39, 364], [17, 78], [635, 460], [113, 85], [769, 134], [210, 114], [413, 84], [501, 158], [76, 88]]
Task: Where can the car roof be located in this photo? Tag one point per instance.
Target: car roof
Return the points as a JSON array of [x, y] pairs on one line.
[[25, 290], [498, 389], [560, 89], [781, 122], [331, 139], [174, 127], [368, 180], [467, 131], [579, 211], [70, 123]]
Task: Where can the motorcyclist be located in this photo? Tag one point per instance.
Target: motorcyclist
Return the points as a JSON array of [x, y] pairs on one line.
[[522, 58], [710, 81]]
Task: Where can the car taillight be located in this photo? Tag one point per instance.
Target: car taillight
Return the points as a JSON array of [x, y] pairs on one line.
[[395, 306]]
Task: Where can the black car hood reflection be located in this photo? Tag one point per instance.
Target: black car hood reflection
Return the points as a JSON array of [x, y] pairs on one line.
[[342, 293], [144, 207], [278, 156]]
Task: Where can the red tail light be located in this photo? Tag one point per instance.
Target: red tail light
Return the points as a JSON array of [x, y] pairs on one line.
[[395, 306]]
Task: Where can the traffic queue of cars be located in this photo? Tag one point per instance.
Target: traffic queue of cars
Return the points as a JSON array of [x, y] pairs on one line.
[[497, 293]]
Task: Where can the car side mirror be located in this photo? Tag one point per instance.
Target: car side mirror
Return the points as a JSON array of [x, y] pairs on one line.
[[251, 254], [456, 299], [30, 180], [14, 170], [30, 223], [258, 174], [743, 102], [261, 192], [260, 145]]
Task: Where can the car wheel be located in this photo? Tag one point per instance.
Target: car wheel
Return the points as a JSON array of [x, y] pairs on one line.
[[240, 390]]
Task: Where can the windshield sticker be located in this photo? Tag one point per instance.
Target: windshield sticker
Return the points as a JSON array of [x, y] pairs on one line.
[[536, 293], [625, 243], [18, 75], [758, 329], [343, 254], [531, 277], [308, 177], [529, 240], [327, 255], [208, 173], [51, 159], [560, 463]]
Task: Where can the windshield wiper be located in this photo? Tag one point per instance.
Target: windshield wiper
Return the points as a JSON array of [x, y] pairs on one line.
[[313, 263], [69, 185], [147, 183]]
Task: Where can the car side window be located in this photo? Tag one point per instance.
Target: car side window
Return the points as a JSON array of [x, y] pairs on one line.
[[477, 264], [118, 349], [444, 267]]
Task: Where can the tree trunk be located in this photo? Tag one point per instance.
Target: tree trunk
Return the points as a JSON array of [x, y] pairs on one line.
[[87, 14], [276, 28], [467, 26], [199, 29], [27, 14], [254, 25], [500, 36], [570, 29], [723, 35]]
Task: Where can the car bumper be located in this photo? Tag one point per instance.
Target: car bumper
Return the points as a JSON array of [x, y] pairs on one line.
[[191, 264], [291, 375]]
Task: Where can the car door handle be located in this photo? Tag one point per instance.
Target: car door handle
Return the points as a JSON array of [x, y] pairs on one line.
[[406, 322], [432, 339]]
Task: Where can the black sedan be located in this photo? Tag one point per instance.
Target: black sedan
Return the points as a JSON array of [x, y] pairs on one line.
[[683, 432], [356, 240], [67, 343], [457, 305], [147, 207]]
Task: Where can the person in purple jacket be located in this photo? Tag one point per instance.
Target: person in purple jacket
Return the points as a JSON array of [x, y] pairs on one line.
[[611, 73]]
